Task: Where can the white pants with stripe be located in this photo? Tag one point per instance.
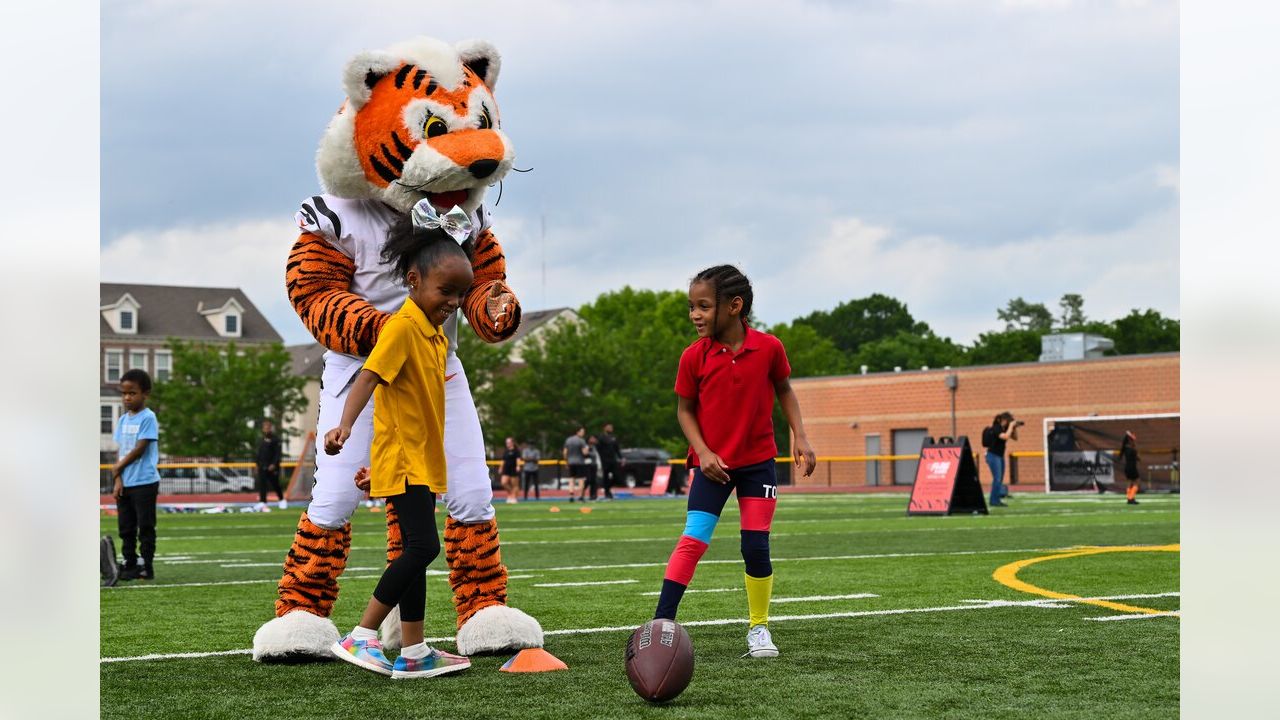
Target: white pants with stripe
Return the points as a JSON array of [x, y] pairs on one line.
[[335, 495]]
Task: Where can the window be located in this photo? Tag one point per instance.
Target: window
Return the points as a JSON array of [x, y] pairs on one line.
[[108, 419], [126, 319], [138, 359], [164, 365], [114, 363], [233, 324]]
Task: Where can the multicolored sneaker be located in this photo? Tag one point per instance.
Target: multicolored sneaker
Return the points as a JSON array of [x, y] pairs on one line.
[[759, 643], [365, 653], [437, 662]]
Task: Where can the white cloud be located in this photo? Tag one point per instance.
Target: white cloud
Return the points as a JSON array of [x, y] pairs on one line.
[[249, 255]]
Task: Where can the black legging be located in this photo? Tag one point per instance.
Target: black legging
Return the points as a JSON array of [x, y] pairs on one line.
[[530, 478], [404, 582], [268, 480]]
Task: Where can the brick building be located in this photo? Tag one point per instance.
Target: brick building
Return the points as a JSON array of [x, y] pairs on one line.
[[137, 321], [891, 413]]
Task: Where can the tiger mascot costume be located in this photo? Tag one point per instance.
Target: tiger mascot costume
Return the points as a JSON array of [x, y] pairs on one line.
[[419, 121]]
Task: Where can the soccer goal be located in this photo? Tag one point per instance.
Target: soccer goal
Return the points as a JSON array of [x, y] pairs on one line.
[[1081, 452], [304, 473]]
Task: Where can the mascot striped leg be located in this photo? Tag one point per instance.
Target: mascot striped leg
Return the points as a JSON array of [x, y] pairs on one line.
[[307, 591]]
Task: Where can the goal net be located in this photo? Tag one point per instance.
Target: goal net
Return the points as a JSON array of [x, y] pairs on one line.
[[1081, 453], [304, 473]]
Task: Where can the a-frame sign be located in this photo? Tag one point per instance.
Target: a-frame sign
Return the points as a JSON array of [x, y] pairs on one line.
[[946, 480]]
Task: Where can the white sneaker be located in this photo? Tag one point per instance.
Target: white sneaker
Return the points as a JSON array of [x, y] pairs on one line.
[[759, 644], [284, 505]]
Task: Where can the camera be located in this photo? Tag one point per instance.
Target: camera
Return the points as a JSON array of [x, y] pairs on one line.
[[1016, 423]]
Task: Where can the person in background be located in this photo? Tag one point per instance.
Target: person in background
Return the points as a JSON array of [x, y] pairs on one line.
[[135, 479], [610, 459], [575, 457], [510, 481], [267, 459], [1003, 429], [529, 457], [593, 470], [1129, 456]]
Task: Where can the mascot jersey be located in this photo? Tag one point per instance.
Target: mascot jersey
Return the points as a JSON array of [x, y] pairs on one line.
[[419, 121]]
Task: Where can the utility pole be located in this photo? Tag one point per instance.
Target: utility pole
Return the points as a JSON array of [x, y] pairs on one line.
[[953, 382]]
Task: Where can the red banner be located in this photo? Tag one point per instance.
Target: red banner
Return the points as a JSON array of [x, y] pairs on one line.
[[935, 479], [661, 476], [946, 480]]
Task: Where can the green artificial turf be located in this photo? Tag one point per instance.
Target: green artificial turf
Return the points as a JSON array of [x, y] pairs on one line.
[[948, 657]]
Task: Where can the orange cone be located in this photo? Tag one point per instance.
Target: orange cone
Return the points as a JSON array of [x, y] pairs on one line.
[[533, 660], [584, 509], [555, 509]]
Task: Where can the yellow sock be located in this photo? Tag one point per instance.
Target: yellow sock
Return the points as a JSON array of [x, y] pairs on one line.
[[759, 590]]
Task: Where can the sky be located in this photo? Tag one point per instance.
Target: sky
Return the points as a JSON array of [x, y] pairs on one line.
[[951, 154]]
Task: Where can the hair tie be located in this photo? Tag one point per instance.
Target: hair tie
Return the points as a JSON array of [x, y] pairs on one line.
[[455, 223]]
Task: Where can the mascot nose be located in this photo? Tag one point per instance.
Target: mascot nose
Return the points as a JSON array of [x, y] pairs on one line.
[[483, 168]]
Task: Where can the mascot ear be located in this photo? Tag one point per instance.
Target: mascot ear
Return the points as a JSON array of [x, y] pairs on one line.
[[482, 58], [363, 72]]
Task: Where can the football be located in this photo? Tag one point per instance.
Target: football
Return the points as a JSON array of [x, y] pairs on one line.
[[659, 660]]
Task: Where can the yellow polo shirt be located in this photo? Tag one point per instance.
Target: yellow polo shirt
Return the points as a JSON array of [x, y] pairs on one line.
[[408, 405]]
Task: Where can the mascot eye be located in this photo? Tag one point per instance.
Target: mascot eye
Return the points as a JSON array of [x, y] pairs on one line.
[[434, 126], [485, 121]]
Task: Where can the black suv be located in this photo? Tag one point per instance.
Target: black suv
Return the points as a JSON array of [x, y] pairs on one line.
[[639, 463]]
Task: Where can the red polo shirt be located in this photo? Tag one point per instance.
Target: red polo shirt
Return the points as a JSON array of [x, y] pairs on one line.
[[733, 394]]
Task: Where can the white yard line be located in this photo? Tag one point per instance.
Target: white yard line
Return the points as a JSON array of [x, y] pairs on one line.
[[1139, 616], [693, 590], [585, 584], [691, 623], [815, 598]]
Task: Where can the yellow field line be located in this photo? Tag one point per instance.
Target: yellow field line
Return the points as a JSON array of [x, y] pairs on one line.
[[1008, 575]]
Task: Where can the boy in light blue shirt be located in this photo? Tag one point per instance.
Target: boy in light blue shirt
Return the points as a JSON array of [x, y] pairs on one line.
[[136, 481]]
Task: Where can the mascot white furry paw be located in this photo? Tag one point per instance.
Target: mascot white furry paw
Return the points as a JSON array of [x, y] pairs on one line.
[[419, 121]]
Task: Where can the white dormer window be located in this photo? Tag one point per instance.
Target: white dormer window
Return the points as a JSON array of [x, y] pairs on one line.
[[226, 318], [122, 315]]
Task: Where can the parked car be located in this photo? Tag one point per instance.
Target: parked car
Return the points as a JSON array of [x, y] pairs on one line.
[[205, 479], [638, 465]]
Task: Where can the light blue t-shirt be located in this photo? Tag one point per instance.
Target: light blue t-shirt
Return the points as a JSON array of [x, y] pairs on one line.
[[132, 428]]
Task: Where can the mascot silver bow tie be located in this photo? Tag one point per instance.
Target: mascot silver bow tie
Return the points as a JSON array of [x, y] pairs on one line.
[[455, 222]]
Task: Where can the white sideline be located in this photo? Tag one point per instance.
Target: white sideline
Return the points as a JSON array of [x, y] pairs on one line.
[[1139, 616], [584, 584], [662, 564], [700, 623]]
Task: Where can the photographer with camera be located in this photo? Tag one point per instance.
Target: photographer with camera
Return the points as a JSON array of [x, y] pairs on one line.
[[1003, 428]]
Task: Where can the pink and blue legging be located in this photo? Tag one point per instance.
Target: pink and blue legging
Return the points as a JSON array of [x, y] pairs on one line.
[[757, 490]]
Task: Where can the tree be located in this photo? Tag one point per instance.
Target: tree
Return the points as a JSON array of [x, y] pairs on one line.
[[810, 354], [212, 403], [1008, 346], [909, 351], [1072, 311], [852, 324], [618, 365], [1022, 315], [1146, 331]]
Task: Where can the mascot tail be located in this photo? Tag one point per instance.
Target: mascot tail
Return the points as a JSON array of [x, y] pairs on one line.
[[301, 629]]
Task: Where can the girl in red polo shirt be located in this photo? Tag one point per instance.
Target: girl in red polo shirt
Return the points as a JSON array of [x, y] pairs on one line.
[[726, 384]]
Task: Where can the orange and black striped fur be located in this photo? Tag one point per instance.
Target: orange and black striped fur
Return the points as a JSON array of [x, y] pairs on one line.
[[318, 280], [316, 559]]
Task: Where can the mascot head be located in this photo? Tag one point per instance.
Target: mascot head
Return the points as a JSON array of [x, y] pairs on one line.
[[419, 121]]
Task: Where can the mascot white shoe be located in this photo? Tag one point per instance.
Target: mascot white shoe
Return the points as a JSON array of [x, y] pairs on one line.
[[419, 121]]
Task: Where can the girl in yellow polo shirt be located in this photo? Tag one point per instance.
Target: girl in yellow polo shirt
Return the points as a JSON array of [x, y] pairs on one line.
[[405, 375]]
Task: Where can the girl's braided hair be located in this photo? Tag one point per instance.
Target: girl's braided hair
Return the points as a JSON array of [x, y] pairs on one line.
[[728, 282]]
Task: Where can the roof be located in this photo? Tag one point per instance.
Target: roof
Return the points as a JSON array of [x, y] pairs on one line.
[[173, 311], [308, 359], [531, 321], [969, 368]]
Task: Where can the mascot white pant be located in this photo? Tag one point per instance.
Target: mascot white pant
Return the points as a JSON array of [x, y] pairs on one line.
[[309, 587]]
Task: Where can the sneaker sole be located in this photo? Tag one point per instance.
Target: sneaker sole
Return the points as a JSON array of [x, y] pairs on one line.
[[342, 654], [403, 675]]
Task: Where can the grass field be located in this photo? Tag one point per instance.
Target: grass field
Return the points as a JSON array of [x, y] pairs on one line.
[[876, 615]]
